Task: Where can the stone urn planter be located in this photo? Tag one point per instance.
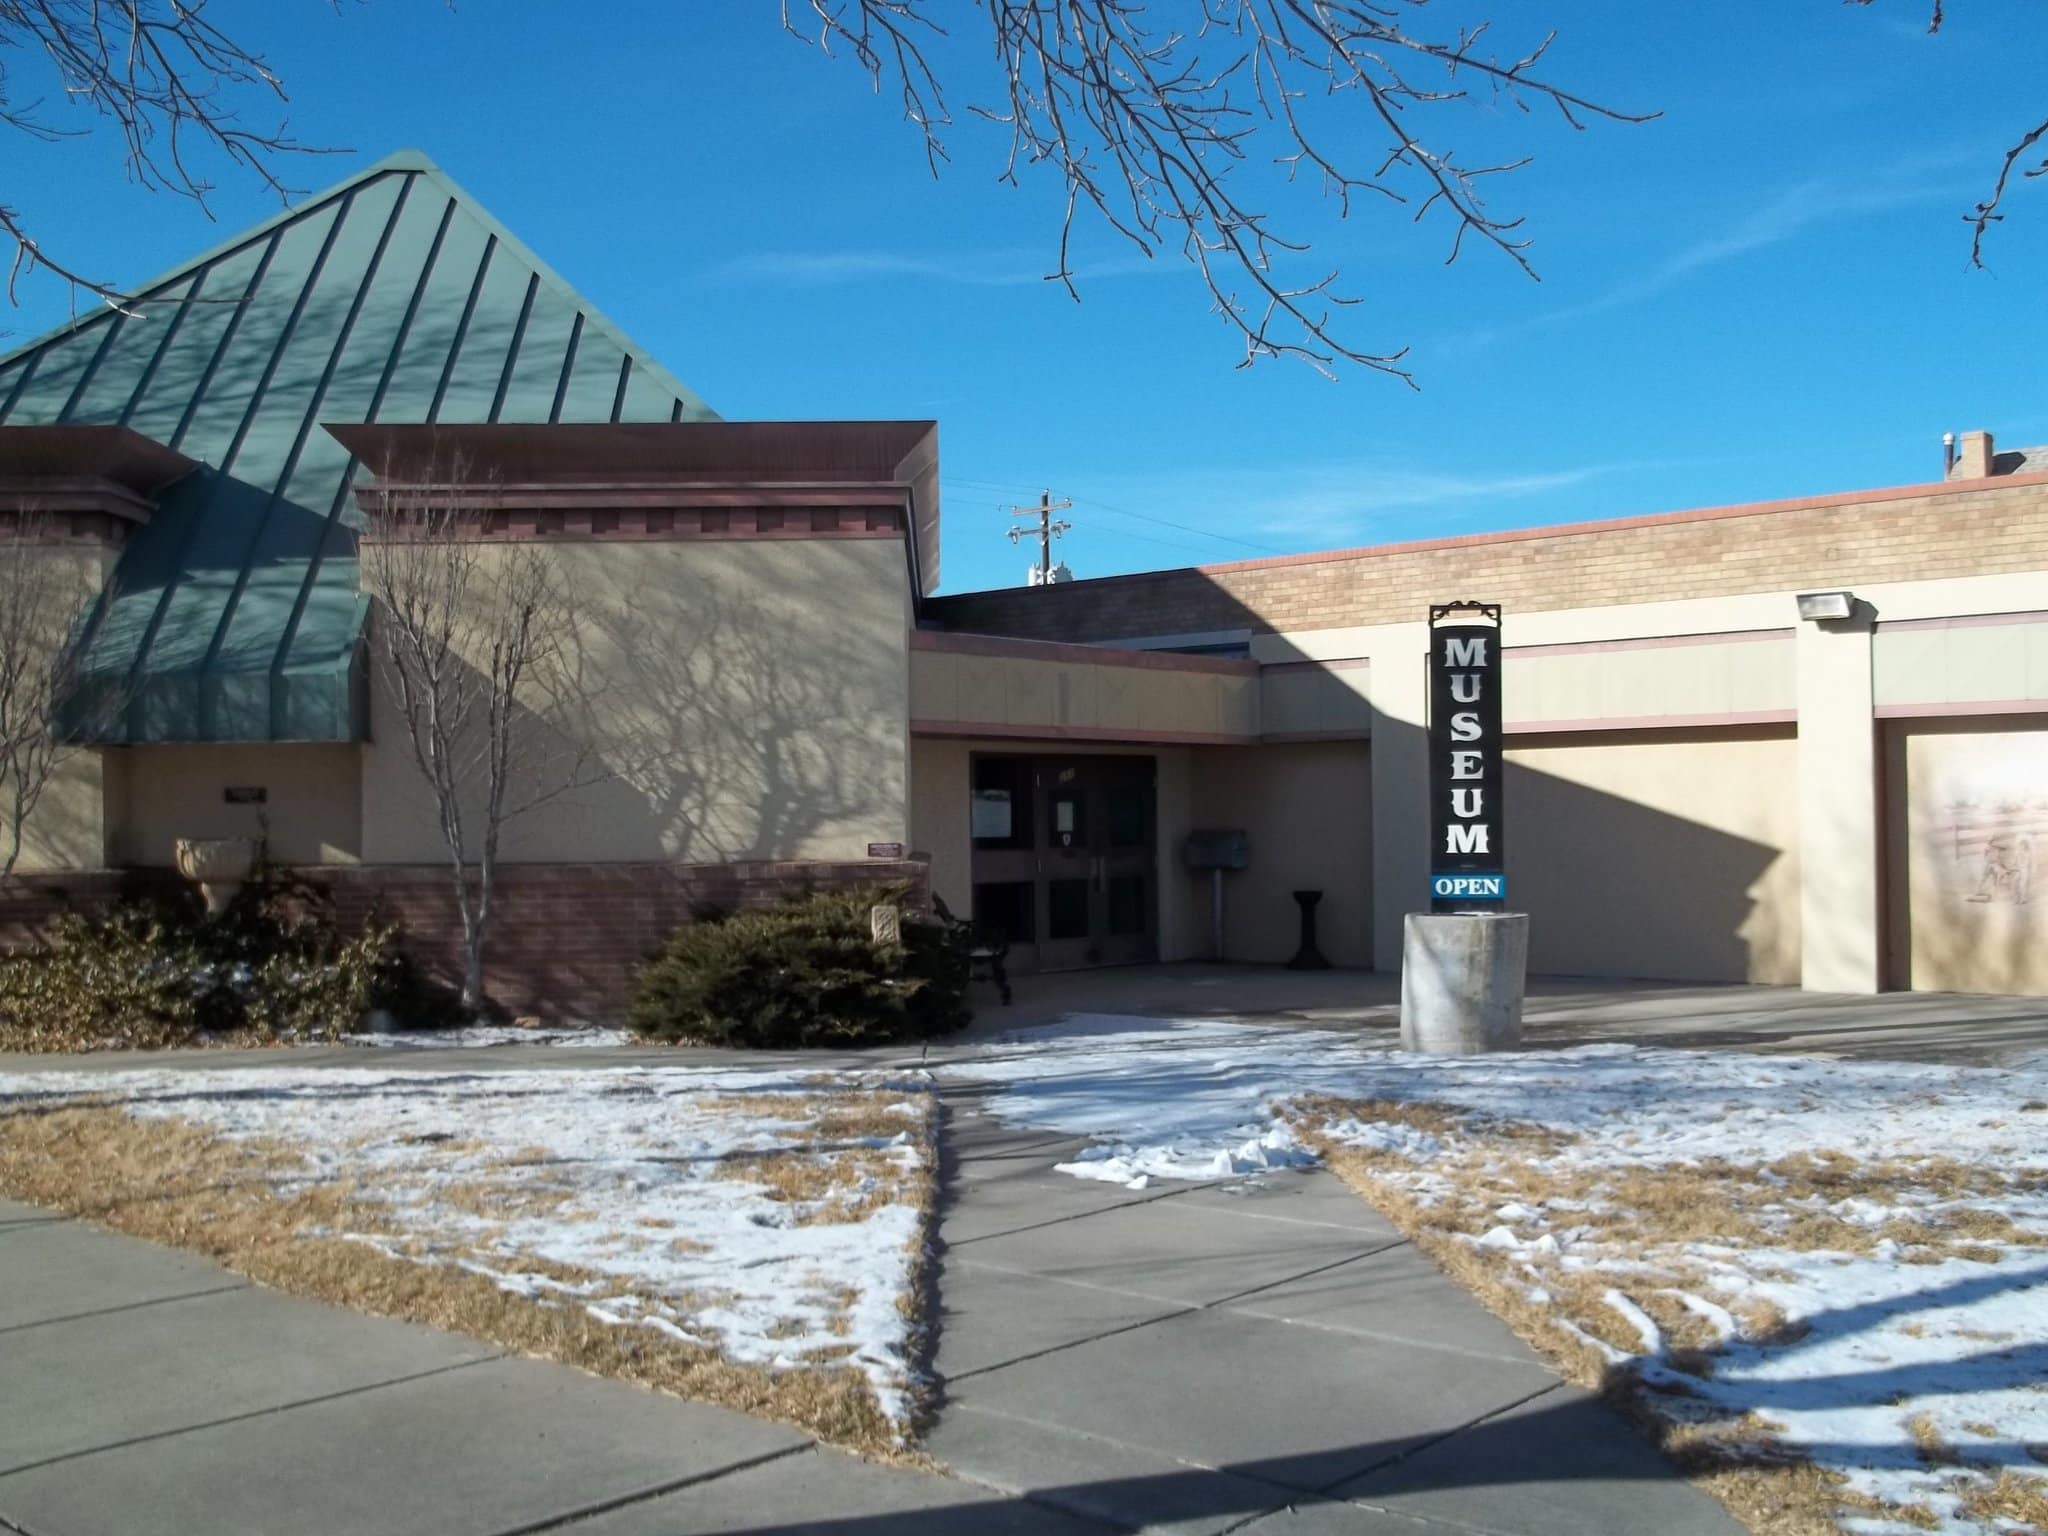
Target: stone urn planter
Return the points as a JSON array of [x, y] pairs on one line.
[[217, 865]]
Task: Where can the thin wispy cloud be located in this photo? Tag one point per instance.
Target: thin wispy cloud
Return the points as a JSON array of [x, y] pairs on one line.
[[1328, 505], [1793, 212], [974, 269]]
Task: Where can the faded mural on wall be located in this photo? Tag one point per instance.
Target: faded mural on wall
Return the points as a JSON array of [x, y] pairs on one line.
[[1977, 847]]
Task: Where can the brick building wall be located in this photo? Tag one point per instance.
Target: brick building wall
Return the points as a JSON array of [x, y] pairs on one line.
[[1972, 528], [29, 903], [565, 938]]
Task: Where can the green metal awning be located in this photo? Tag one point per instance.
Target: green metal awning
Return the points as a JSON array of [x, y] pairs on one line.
[[393, 297]]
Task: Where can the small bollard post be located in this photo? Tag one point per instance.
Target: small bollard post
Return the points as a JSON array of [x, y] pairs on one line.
[[1308, 956]]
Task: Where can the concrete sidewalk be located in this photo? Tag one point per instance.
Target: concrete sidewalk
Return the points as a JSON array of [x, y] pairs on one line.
[[1265, 1356], [143, 1390], [1908, 1026]]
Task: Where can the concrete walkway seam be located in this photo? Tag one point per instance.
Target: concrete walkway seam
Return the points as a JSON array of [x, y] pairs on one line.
[[661, 1490], [1181, 1308], [242, 1418], [1286, 1497], [125, 1306], [1060, 1221]]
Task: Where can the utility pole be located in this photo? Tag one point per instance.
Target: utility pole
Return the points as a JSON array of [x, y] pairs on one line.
[[1048, 530]]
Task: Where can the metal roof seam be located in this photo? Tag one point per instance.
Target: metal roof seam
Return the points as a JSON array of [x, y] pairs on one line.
[[392, 297]]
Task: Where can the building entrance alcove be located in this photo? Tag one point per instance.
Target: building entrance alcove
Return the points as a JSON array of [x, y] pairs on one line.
[[1065, 859]]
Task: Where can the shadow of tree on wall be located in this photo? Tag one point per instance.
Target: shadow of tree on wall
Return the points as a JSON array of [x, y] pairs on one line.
[[739, 724]]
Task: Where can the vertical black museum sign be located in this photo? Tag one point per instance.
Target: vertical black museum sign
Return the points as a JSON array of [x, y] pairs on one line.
[[1468, 867]]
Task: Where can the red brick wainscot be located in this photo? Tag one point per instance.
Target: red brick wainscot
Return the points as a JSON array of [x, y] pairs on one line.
[[29, 903], [565, 939]]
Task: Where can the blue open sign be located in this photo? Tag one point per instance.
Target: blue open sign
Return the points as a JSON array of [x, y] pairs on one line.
[[1469, 887]]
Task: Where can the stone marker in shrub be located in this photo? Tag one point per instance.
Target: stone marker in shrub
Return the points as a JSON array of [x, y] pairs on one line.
[[804, 972]]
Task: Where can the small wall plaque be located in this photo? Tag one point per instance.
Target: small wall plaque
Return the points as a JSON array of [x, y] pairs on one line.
[[246, 794], [885, 850]]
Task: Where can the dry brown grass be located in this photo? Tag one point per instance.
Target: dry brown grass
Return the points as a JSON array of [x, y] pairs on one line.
[[1647, 1210], [2011, 1501], [845, 1165], [238, 1202], [848, 1186], [1928, 1442]]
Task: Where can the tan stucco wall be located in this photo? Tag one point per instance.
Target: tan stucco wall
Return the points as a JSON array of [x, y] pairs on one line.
[[72, 826], [1307, 699], [1671, 855], [312, 813], [939, 782], [1839, 901], [963, 691], [1967, 828], [1307, 810], [750, 699]]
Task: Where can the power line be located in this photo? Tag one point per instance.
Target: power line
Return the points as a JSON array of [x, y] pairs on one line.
[[1167, 522], [1143, 517]]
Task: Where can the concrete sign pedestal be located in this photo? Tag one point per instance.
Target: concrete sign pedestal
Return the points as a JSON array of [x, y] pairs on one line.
[[1462, 978]]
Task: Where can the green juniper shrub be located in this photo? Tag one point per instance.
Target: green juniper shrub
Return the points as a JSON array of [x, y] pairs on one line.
[[155, 971], [804, 972]]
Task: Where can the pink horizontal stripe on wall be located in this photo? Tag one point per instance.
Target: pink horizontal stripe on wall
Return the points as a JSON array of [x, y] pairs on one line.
[[1956, 707], [1969, 621], [1074, 733], [1653, 722], [962, 643], [1289, 738], [1646, 643]]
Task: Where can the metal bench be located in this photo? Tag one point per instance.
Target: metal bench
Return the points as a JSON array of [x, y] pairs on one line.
[[987, 950]]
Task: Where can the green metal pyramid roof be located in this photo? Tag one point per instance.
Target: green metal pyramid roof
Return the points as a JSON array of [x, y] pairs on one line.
[[392, 297]]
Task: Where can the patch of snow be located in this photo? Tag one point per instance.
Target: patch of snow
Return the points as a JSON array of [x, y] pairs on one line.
[[1646, 1328], [492, 1034], [1873, 1341], [620, 1174]]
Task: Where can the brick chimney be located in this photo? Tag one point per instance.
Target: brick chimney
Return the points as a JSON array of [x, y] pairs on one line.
[[1973, 457]]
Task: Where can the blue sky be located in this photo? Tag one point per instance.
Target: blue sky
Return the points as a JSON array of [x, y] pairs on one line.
[[1764, 293]]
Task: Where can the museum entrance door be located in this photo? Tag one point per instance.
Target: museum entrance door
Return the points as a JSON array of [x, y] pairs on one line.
[[1065, 859]]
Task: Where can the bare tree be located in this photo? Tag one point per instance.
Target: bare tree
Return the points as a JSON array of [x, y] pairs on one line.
[[44, 600], [1989, 209], [474, 640], [167, 79], [1145, 112]]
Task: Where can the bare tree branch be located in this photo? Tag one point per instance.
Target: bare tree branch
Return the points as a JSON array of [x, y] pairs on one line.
[[1986, 213], [473, 640], [1988, 210], [1146, 126], [165, 77]]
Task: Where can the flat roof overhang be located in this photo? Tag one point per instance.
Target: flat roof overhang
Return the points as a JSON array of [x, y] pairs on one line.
[[81, 468], [704, 464]]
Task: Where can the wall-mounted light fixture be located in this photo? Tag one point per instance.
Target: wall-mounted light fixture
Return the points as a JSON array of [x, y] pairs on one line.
[[1814, 606]]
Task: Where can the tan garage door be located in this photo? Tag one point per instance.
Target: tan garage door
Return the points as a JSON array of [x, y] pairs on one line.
[[1967, 836]]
